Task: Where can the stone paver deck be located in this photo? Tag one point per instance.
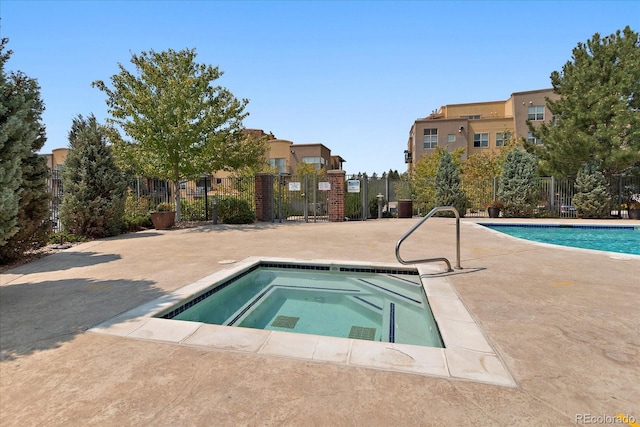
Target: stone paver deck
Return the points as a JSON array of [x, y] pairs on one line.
[[565, 323]]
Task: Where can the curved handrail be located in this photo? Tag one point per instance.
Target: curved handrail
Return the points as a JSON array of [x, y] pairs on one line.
[[429, 215]]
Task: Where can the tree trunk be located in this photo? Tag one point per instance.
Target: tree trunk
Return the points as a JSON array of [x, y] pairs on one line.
[[176, 195]]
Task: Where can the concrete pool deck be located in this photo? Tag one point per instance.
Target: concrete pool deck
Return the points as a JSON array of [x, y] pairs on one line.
[[565, 323]]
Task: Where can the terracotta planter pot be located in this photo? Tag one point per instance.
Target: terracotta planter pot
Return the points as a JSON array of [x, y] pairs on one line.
[[493, 212], [163, 220]]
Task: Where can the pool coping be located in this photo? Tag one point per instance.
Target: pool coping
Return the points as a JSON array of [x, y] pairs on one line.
[[467, 355]]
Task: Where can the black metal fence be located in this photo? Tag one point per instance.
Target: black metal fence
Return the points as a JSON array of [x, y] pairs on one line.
[[198, 198], [300, 198], [304, 198], [54, 185]]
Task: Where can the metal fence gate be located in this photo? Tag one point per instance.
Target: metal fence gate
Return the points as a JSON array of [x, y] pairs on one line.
[[300, 198]]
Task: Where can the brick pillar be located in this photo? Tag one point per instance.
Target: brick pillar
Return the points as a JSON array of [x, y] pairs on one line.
[[336, 195], [264, 197]]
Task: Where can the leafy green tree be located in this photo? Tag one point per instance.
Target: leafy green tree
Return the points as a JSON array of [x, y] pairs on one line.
[[94, 187], [517, 187], [24, 207], [180, 124], [597, 118], [449, 190], [479, 171], [591, 199]]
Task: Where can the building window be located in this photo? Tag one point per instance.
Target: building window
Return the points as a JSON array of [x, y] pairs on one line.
[[317, 162], [536, 112], [532, 139], [430, 138], [279, 164], [471, 117], [480, 140], [451, 137], [502, 138]]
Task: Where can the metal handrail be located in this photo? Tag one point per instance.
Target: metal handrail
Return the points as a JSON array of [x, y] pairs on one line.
[[429, 215]]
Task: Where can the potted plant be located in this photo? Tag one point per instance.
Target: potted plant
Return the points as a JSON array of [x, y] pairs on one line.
[[494, 207], [164, 216]]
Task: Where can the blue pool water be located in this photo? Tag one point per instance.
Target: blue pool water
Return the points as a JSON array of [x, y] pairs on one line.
[[621, 239], [358, 303]]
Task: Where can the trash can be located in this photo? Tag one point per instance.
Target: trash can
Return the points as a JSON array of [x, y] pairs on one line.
[[405, 208]]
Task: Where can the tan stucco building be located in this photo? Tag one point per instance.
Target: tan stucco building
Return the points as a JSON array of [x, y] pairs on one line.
[[478, 127]]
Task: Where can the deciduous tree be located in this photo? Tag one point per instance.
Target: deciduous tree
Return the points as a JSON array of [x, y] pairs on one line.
[[180, 124]]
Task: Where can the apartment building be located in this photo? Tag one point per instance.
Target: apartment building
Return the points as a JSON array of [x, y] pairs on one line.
[[479, 127], [284, 156]]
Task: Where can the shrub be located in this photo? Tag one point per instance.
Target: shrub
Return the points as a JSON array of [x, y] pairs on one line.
[[373, 206], [591, 199], [164, 207], [352, 205], [235, 211], [449, 191], [94, 187], [138, 222], [65, 237], [193, 210], [517, 189]]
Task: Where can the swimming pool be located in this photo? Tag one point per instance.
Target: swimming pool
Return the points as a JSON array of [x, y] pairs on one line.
[[376, 304], [609, 238]]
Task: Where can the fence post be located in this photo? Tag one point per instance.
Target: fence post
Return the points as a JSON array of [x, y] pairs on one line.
[[206, 200], [335, 199], [264, 196], [552, 197], [365, 195]]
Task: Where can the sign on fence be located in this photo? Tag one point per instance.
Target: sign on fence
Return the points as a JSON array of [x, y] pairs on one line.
[[353, 186], [294, 186], [324, 186]]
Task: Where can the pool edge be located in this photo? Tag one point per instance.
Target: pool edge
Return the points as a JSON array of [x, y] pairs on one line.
[[462, 358]]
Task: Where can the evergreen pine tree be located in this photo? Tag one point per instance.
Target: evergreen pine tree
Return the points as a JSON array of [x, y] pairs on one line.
[[24, 213], [449, 190], [94, 187], [591, 199], [13, 110], [517, 188], [596, 117]]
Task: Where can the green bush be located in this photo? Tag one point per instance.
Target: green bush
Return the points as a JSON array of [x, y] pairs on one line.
[[235, 211], [373, 207], [517, 188], [95, 189], [194, 210], [65, 237], [352, 205], [449, 191], [138, 222], [591, 199]]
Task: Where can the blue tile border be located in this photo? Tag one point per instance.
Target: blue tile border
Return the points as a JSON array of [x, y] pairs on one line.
[[392, 322], [368, 302]]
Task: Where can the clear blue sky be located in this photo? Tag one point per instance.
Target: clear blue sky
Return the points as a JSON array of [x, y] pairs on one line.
[[351, 75]]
